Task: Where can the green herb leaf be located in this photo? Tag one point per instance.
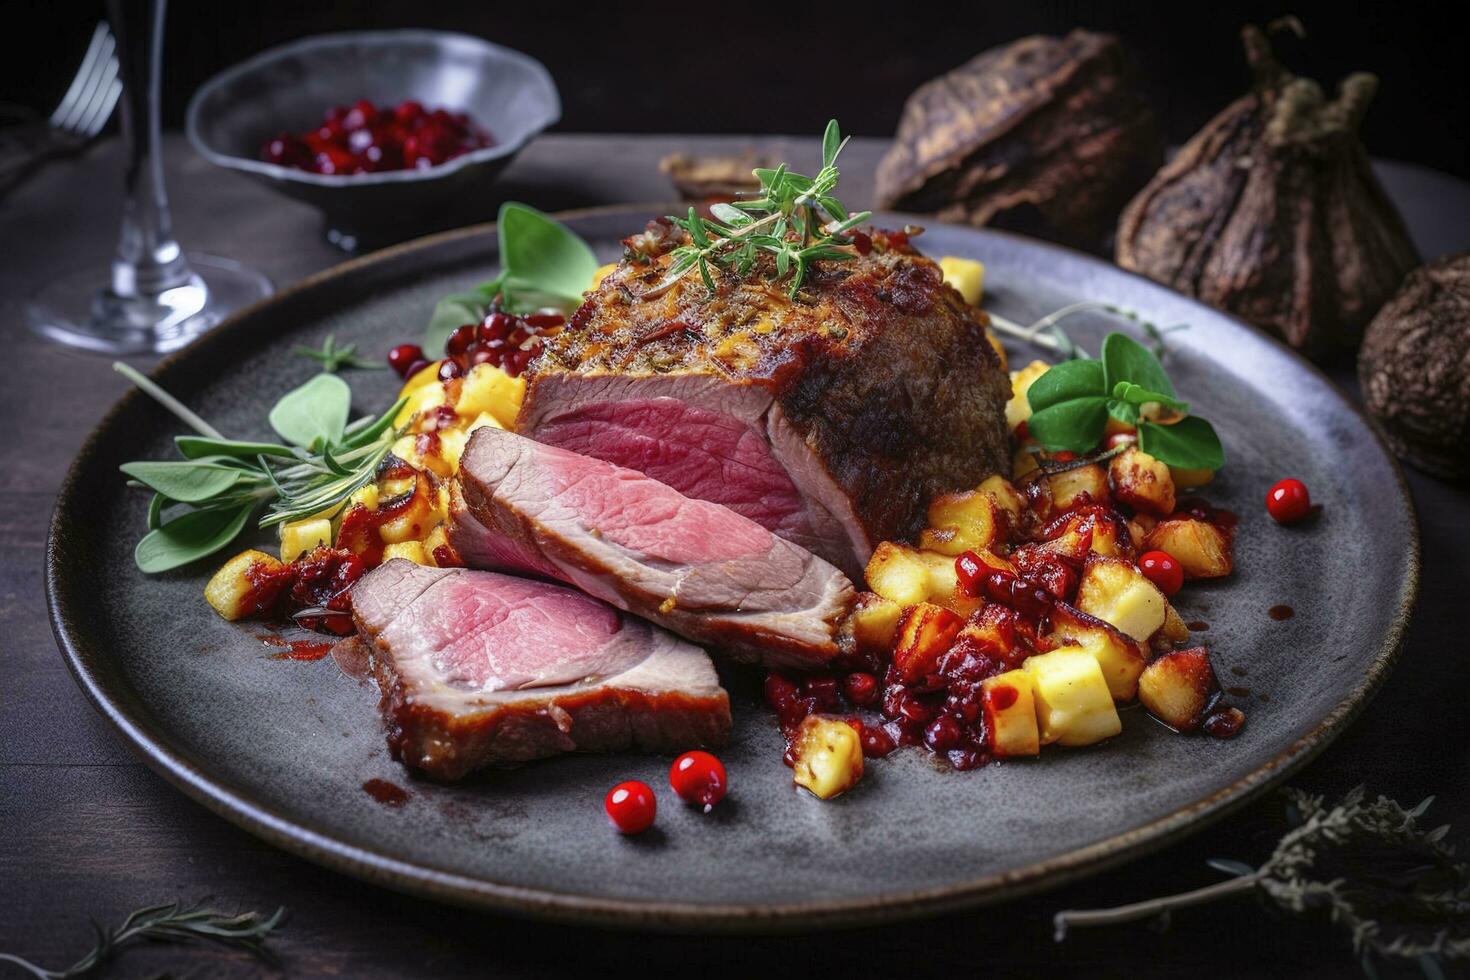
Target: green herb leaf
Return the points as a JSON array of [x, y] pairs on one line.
[[1125, 359], [196, 447], [332, 357], [1127, 391], [1066, 381], [1190, 443], [190, 537], [314, 414], [456, 310], [185, 482], [544, 256], [1075, 425]]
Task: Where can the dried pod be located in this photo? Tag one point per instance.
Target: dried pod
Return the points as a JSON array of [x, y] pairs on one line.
[[713, 177], [1048, 136], [1414, 367], [1271, 212]]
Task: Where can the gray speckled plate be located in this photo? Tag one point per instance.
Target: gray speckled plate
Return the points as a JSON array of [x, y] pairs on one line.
[[283, 747]]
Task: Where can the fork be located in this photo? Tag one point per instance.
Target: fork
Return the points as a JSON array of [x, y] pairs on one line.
[[79, 116]]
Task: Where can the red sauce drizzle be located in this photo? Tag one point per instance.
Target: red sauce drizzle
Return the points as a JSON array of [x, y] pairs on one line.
[[385, 792], [294, 649], [1281, 612], [1197, 625]]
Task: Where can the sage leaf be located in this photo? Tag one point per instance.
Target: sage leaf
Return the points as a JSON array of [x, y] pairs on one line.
[[314, 414], [186, 482], [1066, 381], [190, 537], [456, 310], [1075, 425], [1125, 359], [197, 447], [543, 256], [1190, 443]]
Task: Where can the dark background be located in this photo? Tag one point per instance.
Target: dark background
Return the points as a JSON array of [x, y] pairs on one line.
[[781, 68]]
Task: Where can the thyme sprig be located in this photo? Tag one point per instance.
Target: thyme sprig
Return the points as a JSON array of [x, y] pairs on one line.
[[334, 357], [1399, 889], [173, 923], [796, 219]]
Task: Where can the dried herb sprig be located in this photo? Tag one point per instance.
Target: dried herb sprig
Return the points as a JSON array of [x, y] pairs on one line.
[[1400, 890], [1047, 332], [796, 219], [174, 923], [334, 357]]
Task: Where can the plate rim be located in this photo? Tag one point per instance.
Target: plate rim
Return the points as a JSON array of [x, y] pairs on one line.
[[176, 765]]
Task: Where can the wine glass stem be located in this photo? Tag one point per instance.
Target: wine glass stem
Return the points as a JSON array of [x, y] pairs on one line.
[[148, 260]]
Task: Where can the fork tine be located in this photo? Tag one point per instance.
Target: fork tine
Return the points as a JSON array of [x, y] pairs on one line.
[[93, 60], [101, 110], [95, 87]]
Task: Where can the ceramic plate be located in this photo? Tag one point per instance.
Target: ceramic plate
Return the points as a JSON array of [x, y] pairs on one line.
[[284, 747]]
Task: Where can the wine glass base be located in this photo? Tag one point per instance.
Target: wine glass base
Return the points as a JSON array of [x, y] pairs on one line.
[[80, 310]]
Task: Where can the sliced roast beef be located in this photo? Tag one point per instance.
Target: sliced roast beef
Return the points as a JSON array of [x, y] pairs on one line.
[[478, 669], [830, 418], [696, 567]]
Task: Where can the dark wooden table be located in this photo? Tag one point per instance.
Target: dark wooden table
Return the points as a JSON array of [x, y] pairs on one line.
[[86, 830]]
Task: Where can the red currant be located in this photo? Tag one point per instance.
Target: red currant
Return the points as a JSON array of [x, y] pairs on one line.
[[403, 356], [449, 368], [699, 778], [1289, 501], [631, 807], [1160, 568], [460, 340]]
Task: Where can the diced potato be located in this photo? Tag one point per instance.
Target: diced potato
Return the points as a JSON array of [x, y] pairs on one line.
[[1189, 479], [960, 522], [451, 446], [1009, 703], [1115, 591], [1073, 703], [367, 495], [966, 275], [1023, 462], [992, 632], [423, 377], [299, 537], [827, 756], [925, 632], [483, 420], [1200, 548], [1072, 541], [874, 622], [247, 584], [1110, 536], [422, 398], [1005, 495], [1078, 485], [414, 520], [1121, 657], [1138, 529], [412, 550], [1177, 688], [897, 572], [1141, 482], [1018, 409], [1174, 630], [602, 273], [438, 538], [423, 452], [944, 584], [489, 389]]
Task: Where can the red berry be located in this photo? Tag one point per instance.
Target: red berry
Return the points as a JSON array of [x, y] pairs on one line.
[[1289, 501], [449, 368], [631, 807], [699, 778], [1160, 568], [459, 341], [780, 690], [402, 357], [861, 688], [408, 111]]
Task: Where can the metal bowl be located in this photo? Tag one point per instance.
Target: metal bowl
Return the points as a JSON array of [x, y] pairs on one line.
[[289, 87]]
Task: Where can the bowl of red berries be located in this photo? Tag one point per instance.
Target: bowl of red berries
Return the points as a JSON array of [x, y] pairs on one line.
[[388, 133]]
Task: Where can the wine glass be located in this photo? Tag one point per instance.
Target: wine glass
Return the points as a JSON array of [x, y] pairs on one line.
[[158, 298]]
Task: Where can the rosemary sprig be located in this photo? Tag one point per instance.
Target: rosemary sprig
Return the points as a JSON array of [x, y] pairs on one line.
[[1399, 889], [333, 358], [796, 219], [174, 923]]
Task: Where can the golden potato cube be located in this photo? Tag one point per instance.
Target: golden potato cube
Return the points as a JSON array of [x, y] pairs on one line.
[[1121, 658], [1115, 591], [451, 447], [966, 276], [1110, 536], [1018, 409], [925, 632], [422, 398], [1174, 629], [1073, 703], [874, 622], [412, 550], [1009, 703], [1023, 461], [367, 495], [415, 518], [944, 584], [484, 420], [1005, 495], [897, 572], [1177, 688], [422, 378], [489, 389], [1138, 528], [1069, 486], [827, 756], [247, 584], [1200, 548], [1141, 482], [961, 522], [299, 537], [1189, 479]]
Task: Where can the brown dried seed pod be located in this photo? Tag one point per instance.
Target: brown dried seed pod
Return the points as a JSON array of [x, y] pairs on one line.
[[1414, 367], [1049, 136], [1271, 212]]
